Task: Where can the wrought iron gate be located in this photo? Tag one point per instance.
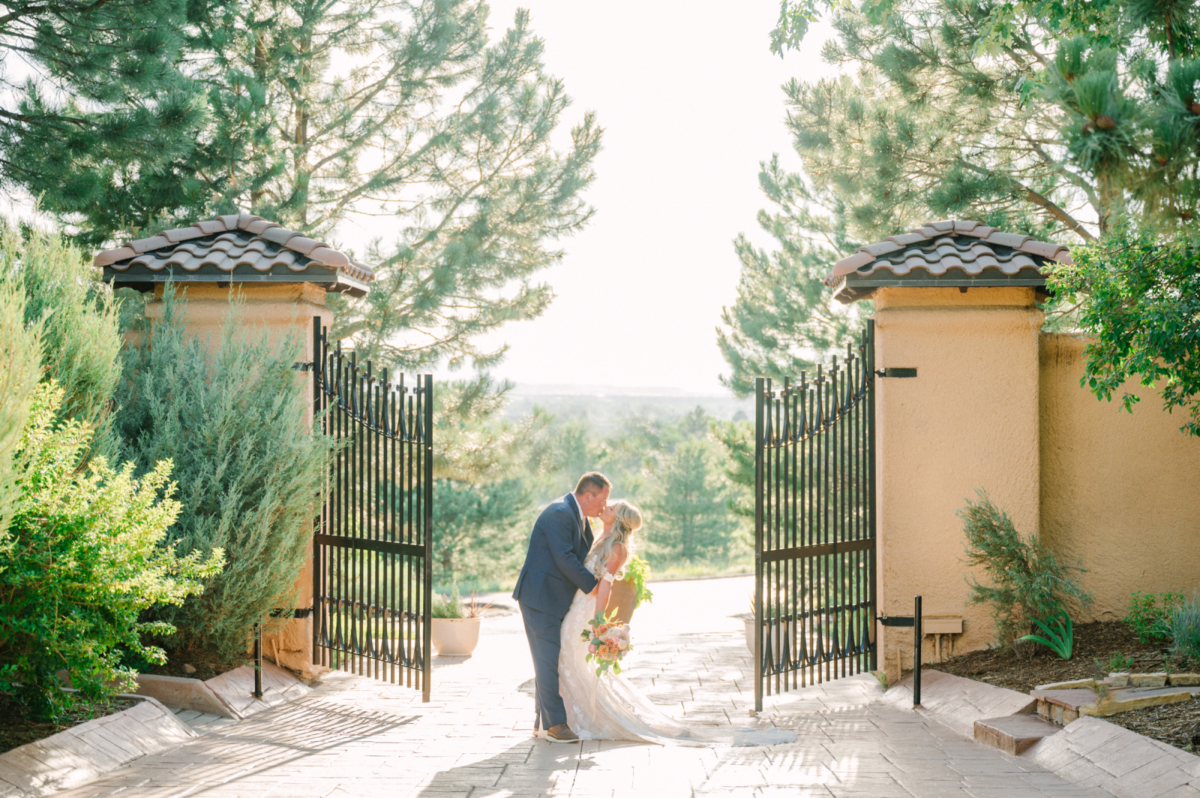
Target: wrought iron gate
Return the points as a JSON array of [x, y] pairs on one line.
[[372, 543], [814, 524]]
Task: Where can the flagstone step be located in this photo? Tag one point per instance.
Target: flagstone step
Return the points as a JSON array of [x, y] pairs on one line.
[[1067, 705], [1014, 734]]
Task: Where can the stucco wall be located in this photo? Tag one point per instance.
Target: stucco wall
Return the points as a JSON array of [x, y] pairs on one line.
[[968, 420], [1120, 490]]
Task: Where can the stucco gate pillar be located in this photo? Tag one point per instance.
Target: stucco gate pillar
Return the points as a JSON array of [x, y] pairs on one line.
[[957, 301], [282, 279]]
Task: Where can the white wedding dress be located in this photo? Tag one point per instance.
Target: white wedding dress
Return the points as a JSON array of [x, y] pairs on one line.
[[609, 707]]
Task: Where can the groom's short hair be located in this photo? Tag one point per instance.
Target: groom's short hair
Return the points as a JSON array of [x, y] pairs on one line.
[[592, 482]]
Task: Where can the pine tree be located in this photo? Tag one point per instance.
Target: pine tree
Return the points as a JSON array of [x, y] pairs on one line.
[[688, 515], [387, 108], [1052, 119], [101, 95]]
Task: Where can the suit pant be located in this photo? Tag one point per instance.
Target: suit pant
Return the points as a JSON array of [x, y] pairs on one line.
[[545, 641]]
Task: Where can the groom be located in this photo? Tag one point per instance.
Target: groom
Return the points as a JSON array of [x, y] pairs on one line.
[[553, 570]]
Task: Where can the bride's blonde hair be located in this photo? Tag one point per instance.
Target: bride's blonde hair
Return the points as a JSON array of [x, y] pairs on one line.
[[627, 519]]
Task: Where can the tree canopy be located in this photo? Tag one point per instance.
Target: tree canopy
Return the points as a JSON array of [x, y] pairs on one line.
[[1054, 119], [1140, 304], [413, 111], [93, 92]]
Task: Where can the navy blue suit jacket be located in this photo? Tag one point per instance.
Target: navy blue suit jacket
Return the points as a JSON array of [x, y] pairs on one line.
[[553, 567]]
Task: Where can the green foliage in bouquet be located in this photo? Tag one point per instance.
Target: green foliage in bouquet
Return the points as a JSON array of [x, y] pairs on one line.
[[637, 572], [608, 642]]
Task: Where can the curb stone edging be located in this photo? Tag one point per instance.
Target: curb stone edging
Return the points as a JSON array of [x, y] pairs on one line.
[[957, 702], [1088, 752], [227, 695], [84, 752], [1091, 752]]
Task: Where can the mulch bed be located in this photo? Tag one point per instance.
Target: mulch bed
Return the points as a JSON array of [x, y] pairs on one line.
[[16, 729], [195, 664], [1174, 724]]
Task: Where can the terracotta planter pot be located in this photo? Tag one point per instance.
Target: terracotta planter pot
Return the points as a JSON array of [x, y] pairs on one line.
[[455, 637], [623, 599]]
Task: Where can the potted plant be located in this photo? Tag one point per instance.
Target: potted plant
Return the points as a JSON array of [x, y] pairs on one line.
[[455, 627], [628, 593]]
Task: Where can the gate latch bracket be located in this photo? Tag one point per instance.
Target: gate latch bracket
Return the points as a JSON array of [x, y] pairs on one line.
[[896, 620], [896, 373]]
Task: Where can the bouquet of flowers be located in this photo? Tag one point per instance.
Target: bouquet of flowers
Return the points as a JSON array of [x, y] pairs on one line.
[[607, 643]]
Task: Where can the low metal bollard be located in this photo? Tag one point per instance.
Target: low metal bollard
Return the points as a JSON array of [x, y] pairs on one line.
[[917, 636], [257, 661], [915, 623]]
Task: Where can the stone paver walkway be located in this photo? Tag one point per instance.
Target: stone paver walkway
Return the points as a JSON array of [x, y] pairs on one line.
[[357, 738]]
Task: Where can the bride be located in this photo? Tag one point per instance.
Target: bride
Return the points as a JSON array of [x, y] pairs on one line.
[[609, 707]]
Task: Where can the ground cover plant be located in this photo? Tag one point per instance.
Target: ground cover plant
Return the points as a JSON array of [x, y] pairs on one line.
[[1149, 615]]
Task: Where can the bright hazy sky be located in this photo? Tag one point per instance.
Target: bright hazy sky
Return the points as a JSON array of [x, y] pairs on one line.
[[689, 97]]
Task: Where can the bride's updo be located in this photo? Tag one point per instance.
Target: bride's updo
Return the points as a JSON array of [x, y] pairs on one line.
[[627, 519]]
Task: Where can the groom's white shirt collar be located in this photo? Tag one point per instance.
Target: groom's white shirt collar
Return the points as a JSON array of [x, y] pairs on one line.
[[575, 502]]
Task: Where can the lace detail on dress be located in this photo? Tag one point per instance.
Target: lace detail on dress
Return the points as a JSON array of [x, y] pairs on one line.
[[611, 708]]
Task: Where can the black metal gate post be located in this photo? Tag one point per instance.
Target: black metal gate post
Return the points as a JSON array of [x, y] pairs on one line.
[[814, 524], [373, 540]]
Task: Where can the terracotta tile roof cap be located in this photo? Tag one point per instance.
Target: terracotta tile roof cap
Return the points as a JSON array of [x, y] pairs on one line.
[[217, 252], [953, 254]]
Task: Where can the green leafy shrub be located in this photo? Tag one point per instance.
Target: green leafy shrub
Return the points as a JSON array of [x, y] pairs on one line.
[[1028, 581], [250, 471], [85, 557], [1184, 625], [1149, 615]]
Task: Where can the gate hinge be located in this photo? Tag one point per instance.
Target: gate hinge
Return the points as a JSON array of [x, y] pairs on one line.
[[299, 612], [896, 373], [303, 367], [896, 620]]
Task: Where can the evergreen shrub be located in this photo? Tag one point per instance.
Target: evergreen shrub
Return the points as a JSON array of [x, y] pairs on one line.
[[249, 469], [21, 353], [1185, 630], [1028, 581], [78, 323], [84, 557]]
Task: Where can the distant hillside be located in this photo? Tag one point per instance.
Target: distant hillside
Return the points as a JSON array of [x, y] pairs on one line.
[[604, 411]]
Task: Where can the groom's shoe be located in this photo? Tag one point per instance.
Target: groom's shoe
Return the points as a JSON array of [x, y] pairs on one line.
[[561, 733]]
